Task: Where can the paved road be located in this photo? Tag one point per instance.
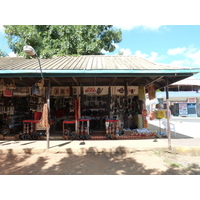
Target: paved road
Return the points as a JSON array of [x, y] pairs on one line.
[[186, 119], [185, 127]]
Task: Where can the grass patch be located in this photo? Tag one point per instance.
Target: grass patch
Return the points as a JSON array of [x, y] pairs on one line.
[[178, 165]]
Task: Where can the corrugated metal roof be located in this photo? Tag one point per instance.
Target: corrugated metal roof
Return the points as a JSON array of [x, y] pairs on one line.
[[188, 81], [92, 70], [96, 62]]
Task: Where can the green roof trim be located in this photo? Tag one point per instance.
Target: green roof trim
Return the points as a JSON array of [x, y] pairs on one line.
[[96, 73]]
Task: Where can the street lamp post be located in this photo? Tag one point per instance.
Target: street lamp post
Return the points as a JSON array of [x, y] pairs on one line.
[[29, 50]]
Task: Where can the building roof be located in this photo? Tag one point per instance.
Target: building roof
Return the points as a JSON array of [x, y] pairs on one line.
[[104, 70], [188, 81], [91, 62]]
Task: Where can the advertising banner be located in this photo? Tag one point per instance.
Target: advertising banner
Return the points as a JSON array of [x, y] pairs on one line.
[[76, 90], [95, 90], [117, 90], [191, 100], [132, 90], [60, 91], [183, 109]]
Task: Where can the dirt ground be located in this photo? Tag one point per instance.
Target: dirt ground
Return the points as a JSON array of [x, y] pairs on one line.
[[137, 163]]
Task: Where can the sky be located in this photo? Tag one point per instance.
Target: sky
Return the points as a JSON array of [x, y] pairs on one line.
[[167, 44]]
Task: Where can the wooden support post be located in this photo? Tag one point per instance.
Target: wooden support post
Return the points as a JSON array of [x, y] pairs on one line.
[[48, 105], [168, 117]]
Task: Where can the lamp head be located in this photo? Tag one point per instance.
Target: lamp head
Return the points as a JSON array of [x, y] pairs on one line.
[[29, 50]]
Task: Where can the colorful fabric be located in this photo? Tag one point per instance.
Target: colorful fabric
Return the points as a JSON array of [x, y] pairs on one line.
[[45, 117]]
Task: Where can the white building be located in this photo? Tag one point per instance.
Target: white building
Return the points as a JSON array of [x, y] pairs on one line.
[[184, 98]]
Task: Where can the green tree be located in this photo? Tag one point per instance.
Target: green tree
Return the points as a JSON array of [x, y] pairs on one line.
[[61, 40], [3, 53]]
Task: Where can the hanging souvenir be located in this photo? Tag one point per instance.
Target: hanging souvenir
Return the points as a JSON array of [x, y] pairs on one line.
[[160, 114], [152, 115], [40, 84], [141, 93], [151, 92], [12, 86], [35, 90], [146, 125], [2, 85], [144, 112]]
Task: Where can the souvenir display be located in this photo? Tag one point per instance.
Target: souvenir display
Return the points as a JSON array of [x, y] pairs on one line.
[[76, 113]]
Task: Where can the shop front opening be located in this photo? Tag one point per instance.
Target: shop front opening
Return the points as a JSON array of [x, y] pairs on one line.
[[87, 112]]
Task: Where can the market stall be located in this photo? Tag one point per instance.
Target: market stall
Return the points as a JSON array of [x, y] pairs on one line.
[[85, 93]]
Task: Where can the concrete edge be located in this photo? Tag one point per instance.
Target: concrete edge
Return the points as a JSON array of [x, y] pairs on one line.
[[94, 150]]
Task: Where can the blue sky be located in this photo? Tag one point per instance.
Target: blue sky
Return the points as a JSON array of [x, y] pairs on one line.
[[168, 44]]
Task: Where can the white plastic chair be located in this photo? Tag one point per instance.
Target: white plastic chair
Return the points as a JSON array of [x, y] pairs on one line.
[[172, 127]]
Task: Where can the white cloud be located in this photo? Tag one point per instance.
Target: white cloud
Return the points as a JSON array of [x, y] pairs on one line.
[[145, 27], [176, 51], [154, 57], [195, 57], [104, 51], [140, 54], [116, 45], [152, 27], [12, 54], [125, 52], [191, 56], [177, 63]]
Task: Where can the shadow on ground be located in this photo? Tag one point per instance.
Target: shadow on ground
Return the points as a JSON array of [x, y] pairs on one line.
[[88, 163]]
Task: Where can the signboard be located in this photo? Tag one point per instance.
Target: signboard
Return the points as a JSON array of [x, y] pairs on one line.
[[183, 109], [117, 90], [95, 90], [76, 90], [60, 91], [132, 90], [191, 100]]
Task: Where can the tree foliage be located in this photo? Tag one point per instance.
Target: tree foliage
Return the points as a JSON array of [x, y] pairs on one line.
[[3, 53], [61, 40]]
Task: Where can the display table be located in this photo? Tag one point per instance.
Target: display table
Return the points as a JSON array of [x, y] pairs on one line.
[[112, 120], [66, 122], [82, 127], [29, 126]]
